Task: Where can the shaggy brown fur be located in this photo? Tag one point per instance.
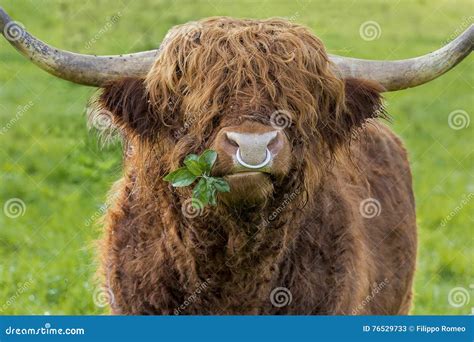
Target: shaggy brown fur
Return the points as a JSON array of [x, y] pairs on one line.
[[309, 234]]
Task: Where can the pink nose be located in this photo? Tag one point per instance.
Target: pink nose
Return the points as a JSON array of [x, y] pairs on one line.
[[252, 150]]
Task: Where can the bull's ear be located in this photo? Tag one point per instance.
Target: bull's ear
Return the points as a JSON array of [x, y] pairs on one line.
[[127, 101], [363, 101]]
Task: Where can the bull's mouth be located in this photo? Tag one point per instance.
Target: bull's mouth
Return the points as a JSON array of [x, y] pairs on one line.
[[245, 175], [248, 187]]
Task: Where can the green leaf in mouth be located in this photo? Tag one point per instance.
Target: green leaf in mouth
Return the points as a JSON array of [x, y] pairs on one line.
[[180, 177], [199, 167], [208, 158]]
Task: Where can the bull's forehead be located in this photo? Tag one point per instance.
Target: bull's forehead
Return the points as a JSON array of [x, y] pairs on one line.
[[233, 25], [247, 49], [225, 28]]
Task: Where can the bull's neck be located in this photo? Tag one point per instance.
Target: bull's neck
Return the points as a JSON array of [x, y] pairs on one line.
[[228, 245]]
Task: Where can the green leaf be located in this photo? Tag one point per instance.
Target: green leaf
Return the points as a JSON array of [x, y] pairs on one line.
[[194, 166], [180, 177], [205, 191], [220, 184], [191, 157], [200, 192], [208, 158], [212, 196]]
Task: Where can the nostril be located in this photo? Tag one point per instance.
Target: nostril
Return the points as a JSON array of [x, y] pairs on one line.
[[272, 143], [230, 140], [276, 143]]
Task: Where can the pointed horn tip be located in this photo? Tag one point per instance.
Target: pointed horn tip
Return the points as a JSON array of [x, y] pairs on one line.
[[90, 70]]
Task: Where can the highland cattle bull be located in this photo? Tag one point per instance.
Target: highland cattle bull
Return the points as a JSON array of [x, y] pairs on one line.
[[320, 212]]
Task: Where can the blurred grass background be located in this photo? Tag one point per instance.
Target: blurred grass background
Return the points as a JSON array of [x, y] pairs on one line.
[[50, 161]]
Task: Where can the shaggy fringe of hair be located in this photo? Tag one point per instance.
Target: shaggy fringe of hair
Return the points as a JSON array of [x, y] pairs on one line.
[[272, 59]]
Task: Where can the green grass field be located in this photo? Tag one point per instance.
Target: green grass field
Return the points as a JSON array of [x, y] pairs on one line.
[[50, 160]]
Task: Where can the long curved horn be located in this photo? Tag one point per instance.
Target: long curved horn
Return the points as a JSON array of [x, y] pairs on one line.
[[83, 69], [97, 70], [407, 73]]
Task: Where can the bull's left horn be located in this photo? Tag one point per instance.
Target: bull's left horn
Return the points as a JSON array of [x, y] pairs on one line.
[[83, 69], [407, 73]]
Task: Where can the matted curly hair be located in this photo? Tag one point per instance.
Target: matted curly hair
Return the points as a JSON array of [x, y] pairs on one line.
[[204, 66]]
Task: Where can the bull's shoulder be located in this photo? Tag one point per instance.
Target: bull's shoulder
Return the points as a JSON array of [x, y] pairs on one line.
[[379, 143], [377, 164]]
